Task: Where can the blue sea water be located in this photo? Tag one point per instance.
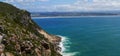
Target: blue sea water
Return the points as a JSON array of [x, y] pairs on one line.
[[85, 36]]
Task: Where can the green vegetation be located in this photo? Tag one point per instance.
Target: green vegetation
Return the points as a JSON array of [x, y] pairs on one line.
[[21, 36]]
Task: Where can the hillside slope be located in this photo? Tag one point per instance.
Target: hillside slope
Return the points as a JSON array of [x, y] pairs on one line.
[[21, 36]]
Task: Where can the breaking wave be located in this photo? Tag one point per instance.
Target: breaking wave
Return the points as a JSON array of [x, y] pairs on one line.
[[64, 44]]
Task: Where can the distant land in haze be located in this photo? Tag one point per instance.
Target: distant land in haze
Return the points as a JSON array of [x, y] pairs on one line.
[[57, 14]]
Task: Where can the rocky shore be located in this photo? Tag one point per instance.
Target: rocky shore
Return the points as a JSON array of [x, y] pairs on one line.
[[55, 40]]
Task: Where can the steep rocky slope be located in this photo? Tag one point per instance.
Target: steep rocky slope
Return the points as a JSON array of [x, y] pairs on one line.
[[21, 36]]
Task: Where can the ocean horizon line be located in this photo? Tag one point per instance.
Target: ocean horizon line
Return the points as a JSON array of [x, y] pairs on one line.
[[76, 16]]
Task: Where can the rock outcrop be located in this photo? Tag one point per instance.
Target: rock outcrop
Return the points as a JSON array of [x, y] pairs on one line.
[[21, 36]]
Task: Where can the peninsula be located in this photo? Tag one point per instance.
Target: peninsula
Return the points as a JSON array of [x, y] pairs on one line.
[[73, 14]]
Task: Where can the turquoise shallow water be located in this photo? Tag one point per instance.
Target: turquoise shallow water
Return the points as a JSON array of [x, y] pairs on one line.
[[86, 36]]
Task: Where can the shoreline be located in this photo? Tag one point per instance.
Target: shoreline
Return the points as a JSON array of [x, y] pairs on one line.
[[61, 45], [64, 47]]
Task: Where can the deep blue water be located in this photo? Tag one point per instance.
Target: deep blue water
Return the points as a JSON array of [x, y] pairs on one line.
[[87, 36]]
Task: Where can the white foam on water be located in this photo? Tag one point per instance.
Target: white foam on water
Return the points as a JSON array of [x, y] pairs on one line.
[[64, 44]]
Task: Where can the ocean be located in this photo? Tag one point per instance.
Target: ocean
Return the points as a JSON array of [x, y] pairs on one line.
[[85, 36]]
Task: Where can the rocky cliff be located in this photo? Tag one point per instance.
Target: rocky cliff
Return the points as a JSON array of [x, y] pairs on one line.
[[21, 36]]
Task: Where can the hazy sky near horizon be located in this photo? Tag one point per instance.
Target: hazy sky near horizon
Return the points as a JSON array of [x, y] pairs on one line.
[[66, 5]]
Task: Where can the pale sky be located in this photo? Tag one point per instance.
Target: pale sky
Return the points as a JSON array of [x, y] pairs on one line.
[[66, 5]]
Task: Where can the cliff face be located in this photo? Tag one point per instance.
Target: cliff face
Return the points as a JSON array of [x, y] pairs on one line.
[[20, 36]]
